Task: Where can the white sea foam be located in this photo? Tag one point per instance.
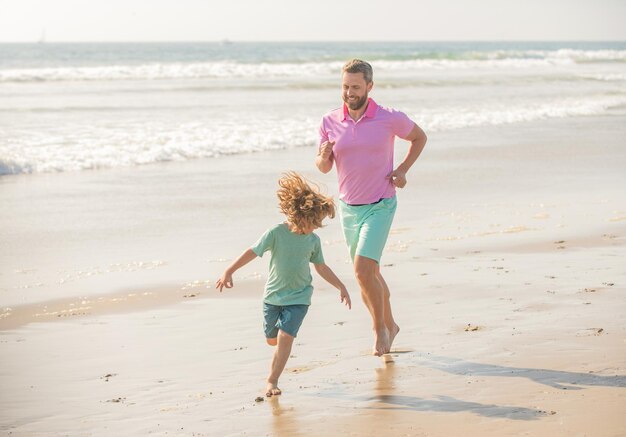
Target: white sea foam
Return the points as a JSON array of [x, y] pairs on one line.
[[586, 55], [443, 119], [231, 69], [605, 77], [102, 106], [216, 70], [72, 148]]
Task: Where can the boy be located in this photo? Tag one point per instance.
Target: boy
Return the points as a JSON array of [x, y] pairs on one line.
[[288, 290]]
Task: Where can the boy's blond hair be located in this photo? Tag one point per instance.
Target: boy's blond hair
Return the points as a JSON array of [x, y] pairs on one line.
[[302, 204]]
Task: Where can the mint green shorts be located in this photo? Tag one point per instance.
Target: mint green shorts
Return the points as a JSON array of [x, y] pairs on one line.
[[366, 227]]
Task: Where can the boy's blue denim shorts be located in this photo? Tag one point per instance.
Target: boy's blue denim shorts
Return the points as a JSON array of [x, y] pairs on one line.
[[287, 318]]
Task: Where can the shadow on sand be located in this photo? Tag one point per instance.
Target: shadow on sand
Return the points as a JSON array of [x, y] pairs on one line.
[[552, 378], [385, 386], [448, 404], [386, 379]]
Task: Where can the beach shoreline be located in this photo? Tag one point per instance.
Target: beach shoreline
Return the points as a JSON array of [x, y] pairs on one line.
[[505, 263]]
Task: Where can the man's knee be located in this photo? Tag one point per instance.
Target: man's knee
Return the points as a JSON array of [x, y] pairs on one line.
[[363, 276], [365, 269], [272, 341]]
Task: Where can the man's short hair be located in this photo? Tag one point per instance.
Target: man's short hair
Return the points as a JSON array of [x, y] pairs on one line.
[[359, 66]]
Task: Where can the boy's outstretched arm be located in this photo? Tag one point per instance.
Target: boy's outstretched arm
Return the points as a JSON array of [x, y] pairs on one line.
[[330, 277], [227, 277]]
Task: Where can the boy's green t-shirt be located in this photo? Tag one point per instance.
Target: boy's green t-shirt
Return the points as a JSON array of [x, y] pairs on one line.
[[289, 281]]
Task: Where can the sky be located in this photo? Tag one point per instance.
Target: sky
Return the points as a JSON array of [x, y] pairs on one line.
[[312, 20]]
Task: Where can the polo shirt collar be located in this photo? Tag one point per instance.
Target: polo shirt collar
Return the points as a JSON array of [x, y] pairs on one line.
[[370, 112]]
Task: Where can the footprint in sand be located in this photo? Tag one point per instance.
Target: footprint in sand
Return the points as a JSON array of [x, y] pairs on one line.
[[393, 352], [117, 400], [389, 358], [560, 244], [107, 376], [401, 351], [589, 332], [303, 369]]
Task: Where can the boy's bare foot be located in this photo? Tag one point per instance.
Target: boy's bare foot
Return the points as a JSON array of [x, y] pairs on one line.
[[381, 342], [272, 390], [392, 335]]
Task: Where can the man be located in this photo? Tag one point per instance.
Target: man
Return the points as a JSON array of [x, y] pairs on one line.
[[359, 139]]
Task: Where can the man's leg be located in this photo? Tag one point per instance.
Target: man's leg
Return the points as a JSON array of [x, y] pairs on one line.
[[366, 230], [279, 360], [373, 293], [390, 323]]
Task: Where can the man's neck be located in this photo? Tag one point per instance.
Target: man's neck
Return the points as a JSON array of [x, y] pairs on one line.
[[356, 114]]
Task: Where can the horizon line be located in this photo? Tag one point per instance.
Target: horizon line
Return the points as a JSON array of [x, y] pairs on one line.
[[360, 42]]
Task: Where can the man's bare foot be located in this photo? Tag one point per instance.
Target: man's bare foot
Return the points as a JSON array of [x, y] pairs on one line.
[[392, 335], [272, 390], [381, 342]]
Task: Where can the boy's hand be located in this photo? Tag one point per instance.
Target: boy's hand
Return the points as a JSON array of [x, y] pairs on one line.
[[345, 297], [225, 281]]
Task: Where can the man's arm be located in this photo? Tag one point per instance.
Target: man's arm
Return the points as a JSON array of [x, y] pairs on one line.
[[417, 137], [324, 159]]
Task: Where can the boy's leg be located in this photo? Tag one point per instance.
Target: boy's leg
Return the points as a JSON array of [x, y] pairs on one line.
[[279, 360], [271, 313]]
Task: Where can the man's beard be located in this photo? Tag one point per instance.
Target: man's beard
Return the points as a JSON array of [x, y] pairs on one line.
[[355, 104]]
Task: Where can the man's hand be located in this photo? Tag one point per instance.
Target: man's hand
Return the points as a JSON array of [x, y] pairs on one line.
[[398, 178], [326, 149]]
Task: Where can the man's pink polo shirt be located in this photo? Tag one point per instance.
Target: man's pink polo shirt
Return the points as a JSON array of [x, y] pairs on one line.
[[363, 150]]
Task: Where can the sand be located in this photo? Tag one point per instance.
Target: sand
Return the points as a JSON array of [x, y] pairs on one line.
[[506, 265]]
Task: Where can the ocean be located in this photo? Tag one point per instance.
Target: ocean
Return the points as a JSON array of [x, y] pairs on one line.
[[72, 107]]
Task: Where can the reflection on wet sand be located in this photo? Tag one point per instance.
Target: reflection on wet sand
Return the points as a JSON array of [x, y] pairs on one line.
[[385, 379], [284, 418]]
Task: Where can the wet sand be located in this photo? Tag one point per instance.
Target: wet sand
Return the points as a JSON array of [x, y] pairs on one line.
[[505, 264]]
